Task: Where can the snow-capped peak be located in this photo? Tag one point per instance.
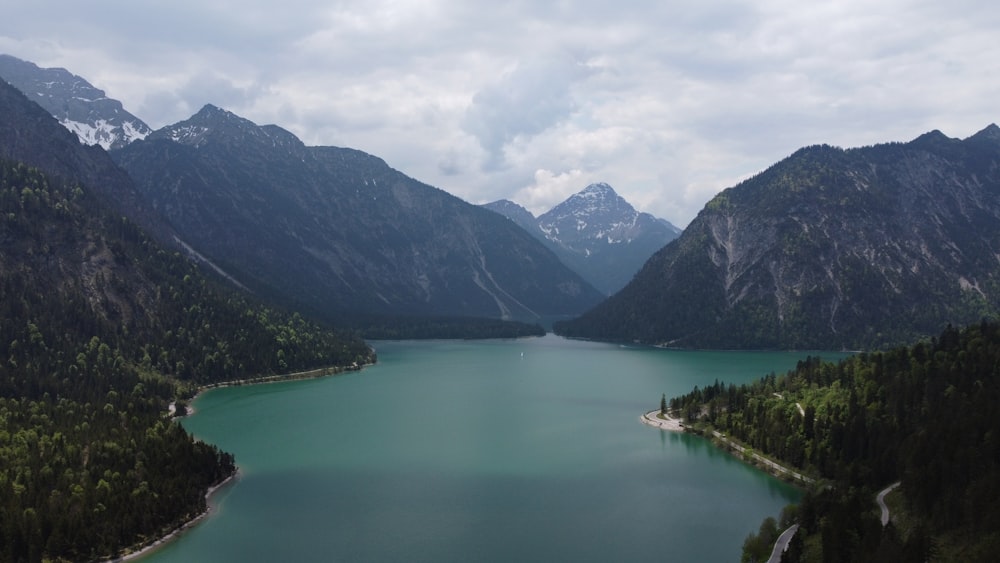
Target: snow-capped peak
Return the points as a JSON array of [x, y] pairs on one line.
[[596, 232], [83, 109]]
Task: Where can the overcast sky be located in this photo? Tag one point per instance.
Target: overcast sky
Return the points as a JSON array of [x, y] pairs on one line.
[[668, 101]]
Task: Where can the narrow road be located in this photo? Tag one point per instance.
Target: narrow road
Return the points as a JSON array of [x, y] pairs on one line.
[[782, 544], [743, 451], [802, 411], [880, 499]]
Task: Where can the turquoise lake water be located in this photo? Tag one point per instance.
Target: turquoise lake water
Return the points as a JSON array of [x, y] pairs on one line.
[[504, 450]]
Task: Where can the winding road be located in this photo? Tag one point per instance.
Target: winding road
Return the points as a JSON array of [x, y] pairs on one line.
[[880, 499], [782, 544]]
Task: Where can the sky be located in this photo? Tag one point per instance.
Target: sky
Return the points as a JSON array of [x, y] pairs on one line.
[[668, 101]]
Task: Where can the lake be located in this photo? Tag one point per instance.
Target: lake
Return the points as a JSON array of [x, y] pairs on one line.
[[503, 450]]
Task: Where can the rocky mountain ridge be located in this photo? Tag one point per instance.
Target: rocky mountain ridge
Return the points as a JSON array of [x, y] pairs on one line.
[[595, 232], [829, 248], [80, 107], [336, 231]]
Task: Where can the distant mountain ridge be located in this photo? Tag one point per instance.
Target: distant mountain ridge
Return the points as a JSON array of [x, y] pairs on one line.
[[829, 248], [595, 232], [336, 231], [78, 105]]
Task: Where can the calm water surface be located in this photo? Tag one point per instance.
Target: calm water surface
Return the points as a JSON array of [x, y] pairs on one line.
[[513, 450]]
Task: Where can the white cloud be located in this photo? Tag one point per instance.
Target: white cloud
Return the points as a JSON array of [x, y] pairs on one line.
[[669, 102], [549, 188], [525, 101]]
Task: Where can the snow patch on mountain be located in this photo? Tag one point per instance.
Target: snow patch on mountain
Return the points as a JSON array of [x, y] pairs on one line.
[[188, 134], [81, 108], [597, 233], [107, 135]]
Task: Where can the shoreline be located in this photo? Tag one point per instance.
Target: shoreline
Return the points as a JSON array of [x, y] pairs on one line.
[[318, 373], [666, 422], [159, 542]]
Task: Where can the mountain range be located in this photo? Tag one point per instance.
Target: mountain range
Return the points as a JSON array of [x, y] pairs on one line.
[[337, 232], [596, 233], [331, 231], [827, 249]]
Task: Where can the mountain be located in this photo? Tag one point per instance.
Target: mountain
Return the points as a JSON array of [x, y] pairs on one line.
[[78, 105], [102, 329], [596, 233], [524, 218], [827, 249], [336, 232], [28, 137]]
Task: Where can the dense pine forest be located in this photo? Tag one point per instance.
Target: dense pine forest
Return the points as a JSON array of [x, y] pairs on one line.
[[924, 415], [100, 329]]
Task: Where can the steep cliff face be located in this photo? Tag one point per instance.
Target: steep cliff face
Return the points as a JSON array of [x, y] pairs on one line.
[[336, 231], [829, 248]]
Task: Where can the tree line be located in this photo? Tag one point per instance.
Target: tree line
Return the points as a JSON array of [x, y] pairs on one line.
[[100, 329], [923, 415]]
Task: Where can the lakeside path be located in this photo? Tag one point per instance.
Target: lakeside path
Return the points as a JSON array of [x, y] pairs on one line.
[[663, 422], [317, 373], [666, 422], [772, 465]]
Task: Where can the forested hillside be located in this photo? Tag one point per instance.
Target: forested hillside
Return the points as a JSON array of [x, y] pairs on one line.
[[925, 415], [100, 328]]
